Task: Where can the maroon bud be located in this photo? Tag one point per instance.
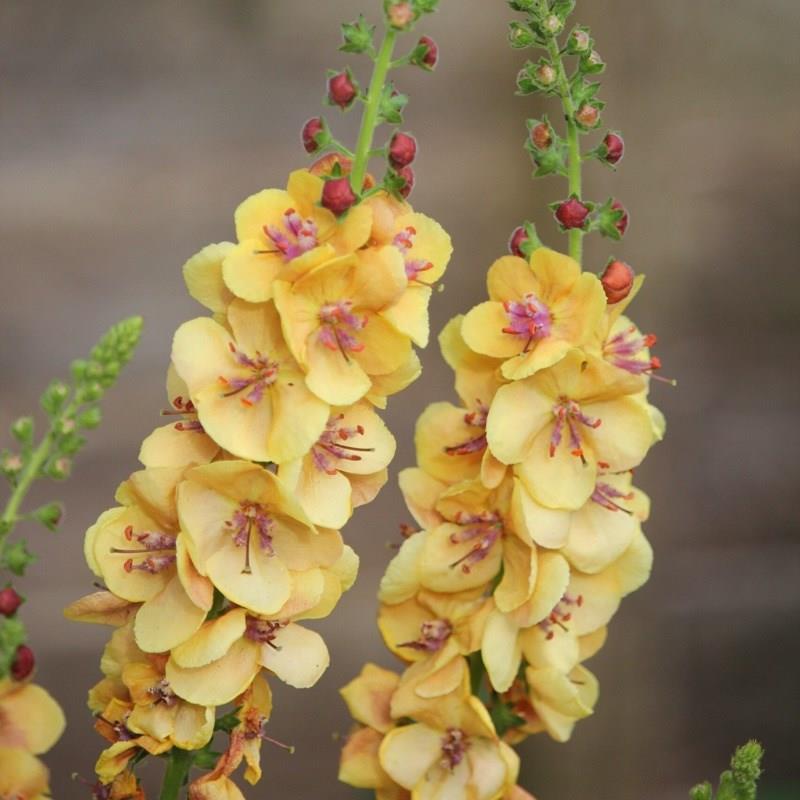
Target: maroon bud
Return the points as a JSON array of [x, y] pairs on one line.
[[615, 148], [622, 224], [541, 136], [338, 196], [588, 115], [572, 213], [407, 174], [431, 57], [617, 280], [518, 238], [310, 131], [23, 663], [341, 90], [10, 601], [402, 150]]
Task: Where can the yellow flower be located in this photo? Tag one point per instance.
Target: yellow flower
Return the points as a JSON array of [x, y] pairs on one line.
[[249, 536], [181, 443], [249, 394], [460, 758], [384, 386], [345, 468], [285, 234], [29, 717], [139, 553], [22, 775], [536, 314], [223, 658], [563, 424], [203, 276], [334, 324], [594, 535]]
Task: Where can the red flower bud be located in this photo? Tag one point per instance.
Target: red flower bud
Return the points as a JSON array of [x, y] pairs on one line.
[[407, 174], [541, 136], [518, 237], [588, 115], [338, 196], [615, 148], [341, 90], [402, 150], [23, 663], [572, 213], [617, 280], [310, 131], [10, 601], [431, 57], [401, 15], [622, 225]]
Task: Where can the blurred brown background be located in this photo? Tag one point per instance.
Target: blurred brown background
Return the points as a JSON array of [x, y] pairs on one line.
[[130, 131]]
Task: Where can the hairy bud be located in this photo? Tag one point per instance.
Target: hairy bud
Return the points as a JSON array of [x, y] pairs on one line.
[[311, 130], [338, 196], [614, 148], [402, 150], [617, 280], [10, 601], [23, 663], [572, 213], [342, 91]]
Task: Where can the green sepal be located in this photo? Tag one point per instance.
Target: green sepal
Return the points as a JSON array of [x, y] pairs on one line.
[[12, 635], [22, 430], [528, 82], [394, 183], [521, 35], [358, 36], [228, 722], [563, 8], [591, 63], [16, 558], [573, 48], [206, 759], [54, 397], [504, 718], [606, 219], [392, 105], [526, 6], [551, 160], [49, 515], [90, 418], [425, 6]]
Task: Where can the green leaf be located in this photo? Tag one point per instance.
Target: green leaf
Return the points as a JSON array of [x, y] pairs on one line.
[[12, 635], [17, 558]]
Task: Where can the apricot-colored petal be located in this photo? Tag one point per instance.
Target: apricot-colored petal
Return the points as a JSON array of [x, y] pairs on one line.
[[203, 276]]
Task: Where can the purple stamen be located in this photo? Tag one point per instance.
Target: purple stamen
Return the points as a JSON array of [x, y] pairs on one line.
[[454, 747], [300, 236], [530, 320]]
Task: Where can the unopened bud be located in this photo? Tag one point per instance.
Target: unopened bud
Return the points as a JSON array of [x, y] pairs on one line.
[[581, 41], [518, 237], [407, 174], [60, 469], [338, 196], [622, 223], [313, 127], [541, 136], [10, 601], [49, 515], [341, 90], [23, 663], [546, 75], [595, 59], [22, 429], [401, 15], [614, 148], [552, 24], [617, 280], [430, 58], [588, 115], [572, 213], [402, 150], [11, 463]]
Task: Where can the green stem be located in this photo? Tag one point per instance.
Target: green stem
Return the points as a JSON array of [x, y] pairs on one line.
[[573, 142], [373, 103], [178, 766]]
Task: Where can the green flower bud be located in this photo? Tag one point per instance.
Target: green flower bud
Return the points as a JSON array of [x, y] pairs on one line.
[[22, 430], [90, 418], [17, 558], [59, 469], [53, 398], [49, 515]]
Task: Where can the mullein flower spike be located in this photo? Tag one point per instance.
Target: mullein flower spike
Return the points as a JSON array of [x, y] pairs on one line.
[[225, 546], [529, 526], [30, 719]]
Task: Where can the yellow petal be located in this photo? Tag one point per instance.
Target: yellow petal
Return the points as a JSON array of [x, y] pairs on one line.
[[482, 330], [407, 753], [359, 766], [249, 271], [520, 567], [193, 726], [532, 521], [167, 619], [421, 493], [102, 608], [212, 641], [401, 579], [368, 697], [441, 562], [510, 278], [298, 656], [32, 719], [203, 276], [519, 412], [409, 314], [501, 651], [169, 447]]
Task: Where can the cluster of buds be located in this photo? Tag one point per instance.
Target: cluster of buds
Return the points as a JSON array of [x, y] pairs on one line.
[[529, 528], [228, 541], [383, 103]]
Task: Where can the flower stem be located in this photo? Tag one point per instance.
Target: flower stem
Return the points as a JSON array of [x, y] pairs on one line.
[[373, 103], [573, 142], [178, 766]]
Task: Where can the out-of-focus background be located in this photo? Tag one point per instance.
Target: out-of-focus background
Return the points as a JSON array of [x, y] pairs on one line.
[[129, 132]]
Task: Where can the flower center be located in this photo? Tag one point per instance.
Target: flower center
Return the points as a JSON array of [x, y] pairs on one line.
[[331, 447], [263, 631], [568, 415], [475, 419], [248, 519], [162, 693], [606, 496], [561, 614], [261, 373], [294, 237], [625, 350], [530, 320], [455, 744], [187, 409], [433, 636], [339, 326], [484, 529], [156, 551], [404, 241]]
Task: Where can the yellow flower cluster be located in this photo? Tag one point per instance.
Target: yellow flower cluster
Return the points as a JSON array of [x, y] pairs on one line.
[[530, 536], [228, 538], [31, 722]]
